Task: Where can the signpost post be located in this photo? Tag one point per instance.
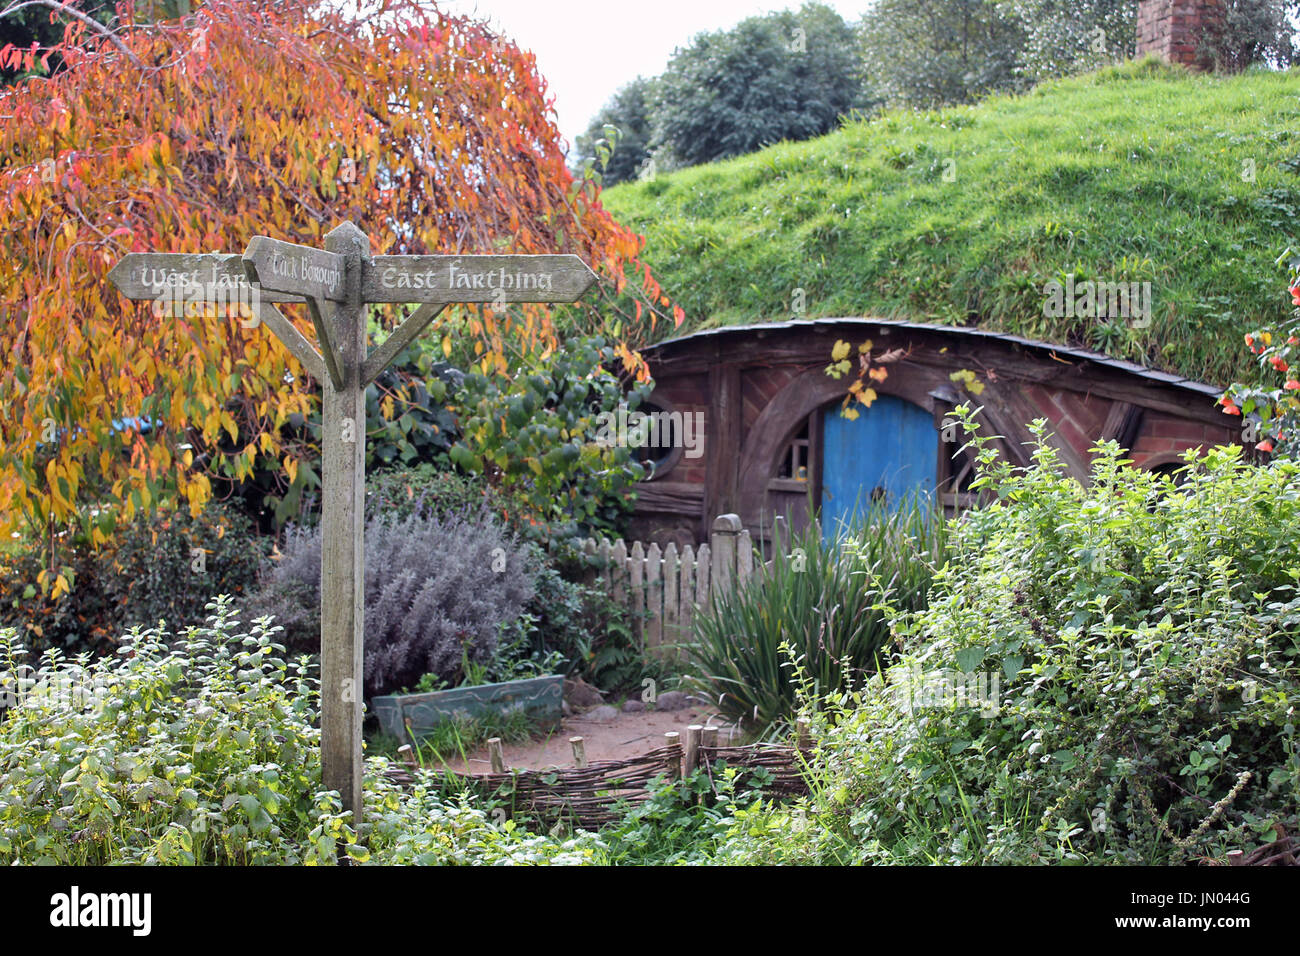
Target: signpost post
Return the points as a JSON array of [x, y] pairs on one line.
[[337, 283]]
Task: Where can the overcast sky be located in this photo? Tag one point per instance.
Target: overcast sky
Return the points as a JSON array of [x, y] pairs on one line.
[[587, 49]]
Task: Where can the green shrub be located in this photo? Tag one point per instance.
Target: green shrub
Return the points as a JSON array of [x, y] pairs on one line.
[[819, 605], [538, 436], [683, 822], [166, 566], [201, 747], [1105, 672], [593, 633], [408, 422], [426, 489]]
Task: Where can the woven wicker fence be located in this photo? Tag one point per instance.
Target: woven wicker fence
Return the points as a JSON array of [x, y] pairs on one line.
[[595, 795]]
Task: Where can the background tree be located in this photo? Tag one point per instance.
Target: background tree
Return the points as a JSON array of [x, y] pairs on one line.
[[427, 130], [1254, 31], [932, 52], [784, 76], [628, 111], [1073, 36]]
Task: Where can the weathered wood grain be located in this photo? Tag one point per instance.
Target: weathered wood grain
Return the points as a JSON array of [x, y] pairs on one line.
[[342, 553]]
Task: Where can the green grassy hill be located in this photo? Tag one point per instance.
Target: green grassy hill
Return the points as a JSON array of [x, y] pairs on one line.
[[1136, 173]]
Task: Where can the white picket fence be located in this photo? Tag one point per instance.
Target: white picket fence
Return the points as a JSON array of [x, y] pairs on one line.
[[664, 587]]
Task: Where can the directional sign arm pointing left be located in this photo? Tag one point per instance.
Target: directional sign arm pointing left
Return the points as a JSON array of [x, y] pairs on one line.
[[298, 270]]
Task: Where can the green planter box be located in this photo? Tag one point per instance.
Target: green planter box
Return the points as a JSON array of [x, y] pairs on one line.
[[540, 697]]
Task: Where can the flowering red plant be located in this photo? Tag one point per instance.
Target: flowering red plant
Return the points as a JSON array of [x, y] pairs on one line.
[[1265, 412]]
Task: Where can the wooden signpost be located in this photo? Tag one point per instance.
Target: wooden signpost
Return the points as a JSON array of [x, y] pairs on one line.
[[337, 283]]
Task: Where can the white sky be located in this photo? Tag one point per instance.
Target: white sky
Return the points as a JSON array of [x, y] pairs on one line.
[[587, 49]]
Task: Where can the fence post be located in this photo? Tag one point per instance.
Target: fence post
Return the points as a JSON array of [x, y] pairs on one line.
[[579, 752], [722, 545], [602, 557], [744, 558], [672, 739], [496, 755], [780, 537], [692, 756], [709, 737], [617, 573], [703, 565]]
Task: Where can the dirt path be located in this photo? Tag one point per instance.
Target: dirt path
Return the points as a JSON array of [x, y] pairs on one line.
[[626, 735]]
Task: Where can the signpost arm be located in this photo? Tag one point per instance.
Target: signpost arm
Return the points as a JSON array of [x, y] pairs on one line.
[[327, 347], [293, 340], [378, 360], [342, 557]]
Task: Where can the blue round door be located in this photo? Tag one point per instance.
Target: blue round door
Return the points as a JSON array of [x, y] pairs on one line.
[[890, 452]]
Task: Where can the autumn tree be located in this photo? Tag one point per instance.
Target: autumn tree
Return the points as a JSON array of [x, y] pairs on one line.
[[427, 130]]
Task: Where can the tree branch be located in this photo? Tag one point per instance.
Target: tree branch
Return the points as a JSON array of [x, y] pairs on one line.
[[90, 23]]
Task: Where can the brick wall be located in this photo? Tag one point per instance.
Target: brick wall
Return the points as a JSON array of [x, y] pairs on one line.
[[1173, 28], [1164, 437], [1079, 419]]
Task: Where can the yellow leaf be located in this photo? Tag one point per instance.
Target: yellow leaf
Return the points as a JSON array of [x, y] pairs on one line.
[[865, 347], [840, 351], [850, 413]]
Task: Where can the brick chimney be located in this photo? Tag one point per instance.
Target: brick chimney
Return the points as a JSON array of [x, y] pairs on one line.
[[1173, 28]]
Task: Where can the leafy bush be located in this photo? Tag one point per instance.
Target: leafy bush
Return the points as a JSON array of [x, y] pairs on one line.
[[820, 606], [1072, 36], [536, 436], [429, 489], [1252, 32], [161, 567], [591, 631], [683, 822], [201, 747], [930, 53], [423, 827], [437, 591], [1103, 673], [617, 139], [408, 423]]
